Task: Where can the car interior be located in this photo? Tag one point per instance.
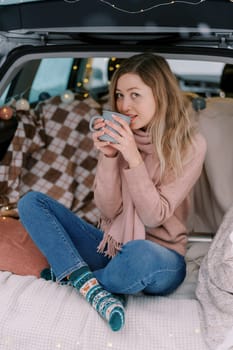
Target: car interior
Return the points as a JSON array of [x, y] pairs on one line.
[[81, 85], [52, 81], [47, 146]]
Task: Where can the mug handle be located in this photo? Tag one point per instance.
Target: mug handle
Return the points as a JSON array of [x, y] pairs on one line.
[[92, 121]]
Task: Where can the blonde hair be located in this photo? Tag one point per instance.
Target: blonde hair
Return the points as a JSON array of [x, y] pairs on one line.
[[171, 129]]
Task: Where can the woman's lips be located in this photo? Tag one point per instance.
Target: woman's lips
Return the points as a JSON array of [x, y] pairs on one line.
[[133, 118]]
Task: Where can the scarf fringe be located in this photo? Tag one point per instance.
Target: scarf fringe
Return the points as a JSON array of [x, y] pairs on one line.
[[111, 245]]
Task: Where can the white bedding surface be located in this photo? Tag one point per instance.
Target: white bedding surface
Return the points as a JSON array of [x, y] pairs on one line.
[[37, 314]]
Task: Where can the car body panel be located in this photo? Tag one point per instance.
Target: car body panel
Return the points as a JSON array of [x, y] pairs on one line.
[[127, 15]]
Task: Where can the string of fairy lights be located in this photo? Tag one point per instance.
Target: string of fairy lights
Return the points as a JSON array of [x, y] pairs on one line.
[[7, 111], [164, 3], [146, 9], [19, 102]]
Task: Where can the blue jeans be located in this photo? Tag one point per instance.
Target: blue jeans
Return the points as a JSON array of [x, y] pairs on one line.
[[68, 242]]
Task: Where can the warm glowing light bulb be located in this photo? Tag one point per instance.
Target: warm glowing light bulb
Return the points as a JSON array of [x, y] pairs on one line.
[[67, 96], [22, 105], [6, 113]]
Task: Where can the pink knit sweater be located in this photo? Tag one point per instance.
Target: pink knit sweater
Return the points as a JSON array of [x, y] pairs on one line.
[[134, 204]]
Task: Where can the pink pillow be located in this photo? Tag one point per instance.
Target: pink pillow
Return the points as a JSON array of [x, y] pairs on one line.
[[18, 253]]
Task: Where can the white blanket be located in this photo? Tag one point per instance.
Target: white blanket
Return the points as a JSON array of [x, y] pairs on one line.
[[215, 288], [42, 315]]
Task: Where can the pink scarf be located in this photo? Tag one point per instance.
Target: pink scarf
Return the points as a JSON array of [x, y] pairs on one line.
[[127, 225]]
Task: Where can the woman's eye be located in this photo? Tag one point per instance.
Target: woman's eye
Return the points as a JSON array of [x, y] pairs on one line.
[[118, 95], [135, 94]]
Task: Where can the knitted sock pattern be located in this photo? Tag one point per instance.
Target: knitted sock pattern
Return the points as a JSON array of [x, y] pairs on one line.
[[105, 303]]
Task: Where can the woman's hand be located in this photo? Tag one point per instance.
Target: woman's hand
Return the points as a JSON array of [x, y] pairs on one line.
[[125, 140], [104, 146]]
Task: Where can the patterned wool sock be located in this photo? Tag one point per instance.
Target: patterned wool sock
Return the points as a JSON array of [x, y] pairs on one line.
[[106, 304], [49, 275]]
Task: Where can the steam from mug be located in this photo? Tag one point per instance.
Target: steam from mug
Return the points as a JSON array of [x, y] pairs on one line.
[[107, 115]]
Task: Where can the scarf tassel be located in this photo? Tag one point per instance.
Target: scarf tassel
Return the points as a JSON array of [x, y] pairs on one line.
[[111, 245]]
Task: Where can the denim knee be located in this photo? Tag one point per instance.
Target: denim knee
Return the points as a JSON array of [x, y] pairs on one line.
[[127, 268], [25, 200], [142, 264]]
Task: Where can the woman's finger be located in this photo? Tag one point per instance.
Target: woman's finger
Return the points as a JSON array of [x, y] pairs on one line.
[[116, 135], [121, 129], [122, 122], [98, 124]]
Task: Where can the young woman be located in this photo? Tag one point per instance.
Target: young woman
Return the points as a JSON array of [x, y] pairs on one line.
[[142, 188]]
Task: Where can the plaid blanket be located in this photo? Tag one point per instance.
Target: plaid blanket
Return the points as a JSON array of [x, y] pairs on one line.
[[52, 152]]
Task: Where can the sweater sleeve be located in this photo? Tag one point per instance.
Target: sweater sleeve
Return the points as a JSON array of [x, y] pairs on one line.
[[107, 187], [156, 203]]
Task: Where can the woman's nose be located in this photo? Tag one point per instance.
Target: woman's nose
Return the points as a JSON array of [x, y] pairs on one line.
[[125, 105]]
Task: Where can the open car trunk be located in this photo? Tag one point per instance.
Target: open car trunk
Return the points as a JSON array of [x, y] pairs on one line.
[[46, 146]]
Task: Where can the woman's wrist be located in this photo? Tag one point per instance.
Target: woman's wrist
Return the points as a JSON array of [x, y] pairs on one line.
[[133, 163]]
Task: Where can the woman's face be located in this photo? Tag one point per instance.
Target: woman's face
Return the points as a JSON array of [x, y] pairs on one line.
[[135, 99]]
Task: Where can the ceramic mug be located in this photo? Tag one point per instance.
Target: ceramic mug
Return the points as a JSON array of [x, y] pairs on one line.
[[107, 115]]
